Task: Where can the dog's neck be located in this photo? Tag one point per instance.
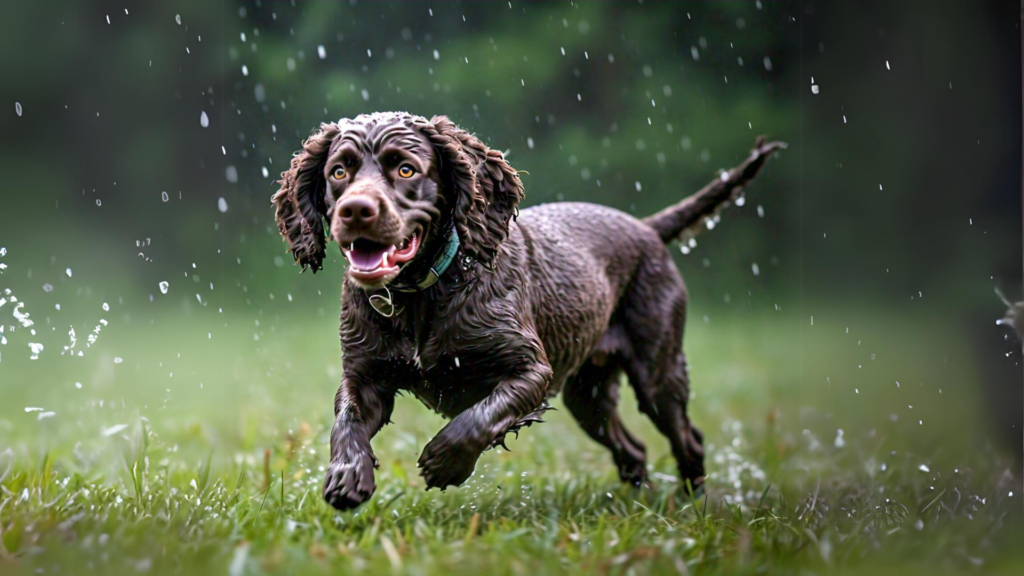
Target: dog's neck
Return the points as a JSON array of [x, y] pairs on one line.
[[423, 274], [444, 254]]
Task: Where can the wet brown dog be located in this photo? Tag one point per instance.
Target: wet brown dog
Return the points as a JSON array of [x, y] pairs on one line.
[[482, 312]]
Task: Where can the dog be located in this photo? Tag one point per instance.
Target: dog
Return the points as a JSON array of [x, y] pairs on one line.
[[484, 312]]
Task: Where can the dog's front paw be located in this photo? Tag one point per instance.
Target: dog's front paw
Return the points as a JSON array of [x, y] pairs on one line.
[[349, 482], [445, 462]]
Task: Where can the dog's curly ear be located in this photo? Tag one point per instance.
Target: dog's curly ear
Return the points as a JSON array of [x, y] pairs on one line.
[[300, 201], [480, 185]]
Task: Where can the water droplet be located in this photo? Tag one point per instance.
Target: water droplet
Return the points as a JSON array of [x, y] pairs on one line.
[[17, 108], [204, 120], [222, 204], [177, 18], [924, 468], [68, 272], [113, 429], [36, 348], [321, 51], [164, 196], [231, 173], [118, 360], [164, 286]]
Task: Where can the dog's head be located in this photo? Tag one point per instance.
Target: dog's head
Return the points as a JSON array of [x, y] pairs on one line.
[[385, 187]]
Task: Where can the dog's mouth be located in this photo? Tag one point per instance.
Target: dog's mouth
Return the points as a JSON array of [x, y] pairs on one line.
[[371, 261]]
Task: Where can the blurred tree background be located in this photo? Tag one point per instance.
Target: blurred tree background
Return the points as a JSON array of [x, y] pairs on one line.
[[141, 143]]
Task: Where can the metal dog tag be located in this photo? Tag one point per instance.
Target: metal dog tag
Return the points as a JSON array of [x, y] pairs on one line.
[[384, 304]]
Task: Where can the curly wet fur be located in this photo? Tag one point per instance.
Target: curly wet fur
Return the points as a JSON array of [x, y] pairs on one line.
[[564, 298]]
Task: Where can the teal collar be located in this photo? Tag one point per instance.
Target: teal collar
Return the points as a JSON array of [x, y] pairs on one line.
[[443, 261]]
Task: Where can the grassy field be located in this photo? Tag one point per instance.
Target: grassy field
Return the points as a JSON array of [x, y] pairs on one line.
[[195, 442]]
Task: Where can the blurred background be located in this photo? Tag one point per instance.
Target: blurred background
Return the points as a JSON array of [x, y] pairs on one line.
[[853, 294]]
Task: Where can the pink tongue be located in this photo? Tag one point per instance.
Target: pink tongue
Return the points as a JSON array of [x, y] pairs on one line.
[[366, 260]]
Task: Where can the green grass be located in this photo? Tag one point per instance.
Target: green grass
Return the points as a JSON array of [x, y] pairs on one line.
[[224, 477]]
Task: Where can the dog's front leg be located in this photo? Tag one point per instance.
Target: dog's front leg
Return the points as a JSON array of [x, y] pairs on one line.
[[360, 409], [449, 459]]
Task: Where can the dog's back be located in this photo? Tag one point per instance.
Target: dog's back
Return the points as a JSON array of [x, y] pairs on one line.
[[581, 260]]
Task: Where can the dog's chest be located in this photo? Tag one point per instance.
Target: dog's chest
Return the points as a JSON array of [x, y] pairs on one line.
[[448, 378]]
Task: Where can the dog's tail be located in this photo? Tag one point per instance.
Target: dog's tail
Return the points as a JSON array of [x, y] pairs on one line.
[[684, 220]]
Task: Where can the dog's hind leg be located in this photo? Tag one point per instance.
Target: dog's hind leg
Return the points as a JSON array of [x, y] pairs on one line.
[[592, 396], [666, 407], [654, 318]]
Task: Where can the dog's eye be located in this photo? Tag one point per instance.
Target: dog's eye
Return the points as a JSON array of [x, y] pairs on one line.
[[338, 173], [406, 171]]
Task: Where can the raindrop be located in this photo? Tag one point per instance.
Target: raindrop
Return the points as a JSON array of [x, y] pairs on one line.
[[924, 468], [222, 204], [106, 307], [204, 120], [113, 429], [68, 272], [177, 18], [265, 172], [99, 202], [118, 360], [231, 173], [321, 51], [17, 108], [164, 196], [164, 286]]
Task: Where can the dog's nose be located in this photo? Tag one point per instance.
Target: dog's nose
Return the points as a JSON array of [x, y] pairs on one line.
[[358, 211]]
